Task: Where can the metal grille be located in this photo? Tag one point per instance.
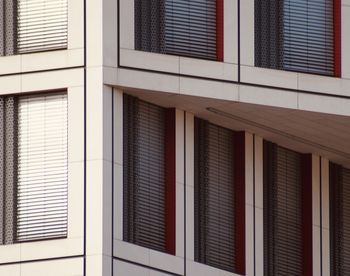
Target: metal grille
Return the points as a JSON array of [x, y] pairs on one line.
[[295, 35], [340, 219], [8, 168], [179, 27], [214, 196], [144, 178], [149, 25], [7, 27], [42, 25], [42, 199], [283, 227]]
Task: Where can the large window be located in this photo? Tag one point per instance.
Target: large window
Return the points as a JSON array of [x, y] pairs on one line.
[[287, 212], [33, 167], [191, 28], [298, 35], [32, 26], [339, 219], [149, 175], [219, 197]]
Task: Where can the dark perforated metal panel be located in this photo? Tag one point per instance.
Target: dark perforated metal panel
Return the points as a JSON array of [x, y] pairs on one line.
[[8, 18], [149, 25], [295, 35], [179, 27], [144, 174], [339, 220], [214, 196], [283, 214], [8, 168]]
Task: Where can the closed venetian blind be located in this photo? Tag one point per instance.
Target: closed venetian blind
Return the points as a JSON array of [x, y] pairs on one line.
[[42, 25], [339, 220], [214, 196], [296, 35], [283, 212], [42, 167], [179, 27], [190, 28], [144, 174]]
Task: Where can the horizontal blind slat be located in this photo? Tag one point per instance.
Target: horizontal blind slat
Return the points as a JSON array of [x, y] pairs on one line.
[[42, 194], [42, 25]]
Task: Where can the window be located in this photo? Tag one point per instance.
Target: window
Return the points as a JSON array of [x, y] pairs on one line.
[[149, 175], [287, 212], [34, 167], [192, 28], [219, 197], [339, 223], [33, 25], [298, 35]]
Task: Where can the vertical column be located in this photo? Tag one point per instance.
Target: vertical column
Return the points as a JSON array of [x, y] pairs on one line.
[[259, 207], [316, 216], [249, 204], [180, 182], [118, 164], [189, 188], [325, 228], [99, 176]]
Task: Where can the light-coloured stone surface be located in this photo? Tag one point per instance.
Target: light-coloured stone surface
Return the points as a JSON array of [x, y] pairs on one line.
[[269, 77]]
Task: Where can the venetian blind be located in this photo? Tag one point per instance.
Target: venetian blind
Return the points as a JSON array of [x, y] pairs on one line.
[[42, 25], [42, 199], [214, 196], [179, 27], [144, 174], [296, 35], [283, 213]]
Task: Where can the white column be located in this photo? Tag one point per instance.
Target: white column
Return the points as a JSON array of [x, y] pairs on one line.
[[180, 183], [316, 218], [189, 186], [259, 207], [249, 203], [325, 217]]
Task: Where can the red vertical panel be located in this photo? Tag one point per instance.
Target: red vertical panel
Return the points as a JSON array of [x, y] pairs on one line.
[[337, 37], [220, 30], [306, 170], [170, 189], [239, 182]]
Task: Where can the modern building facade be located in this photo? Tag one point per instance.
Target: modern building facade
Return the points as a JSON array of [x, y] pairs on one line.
[[174, 137]]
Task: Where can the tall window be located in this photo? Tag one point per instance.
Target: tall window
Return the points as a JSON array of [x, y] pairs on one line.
[[219, 197], [298, 35], [33, 167], [339, 219], [287, 212], [33, 25], [192, 28], [149, 175]]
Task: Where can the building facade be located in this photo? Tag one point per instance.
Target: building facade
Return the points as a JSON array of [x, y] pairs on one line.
[[174, 137]]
